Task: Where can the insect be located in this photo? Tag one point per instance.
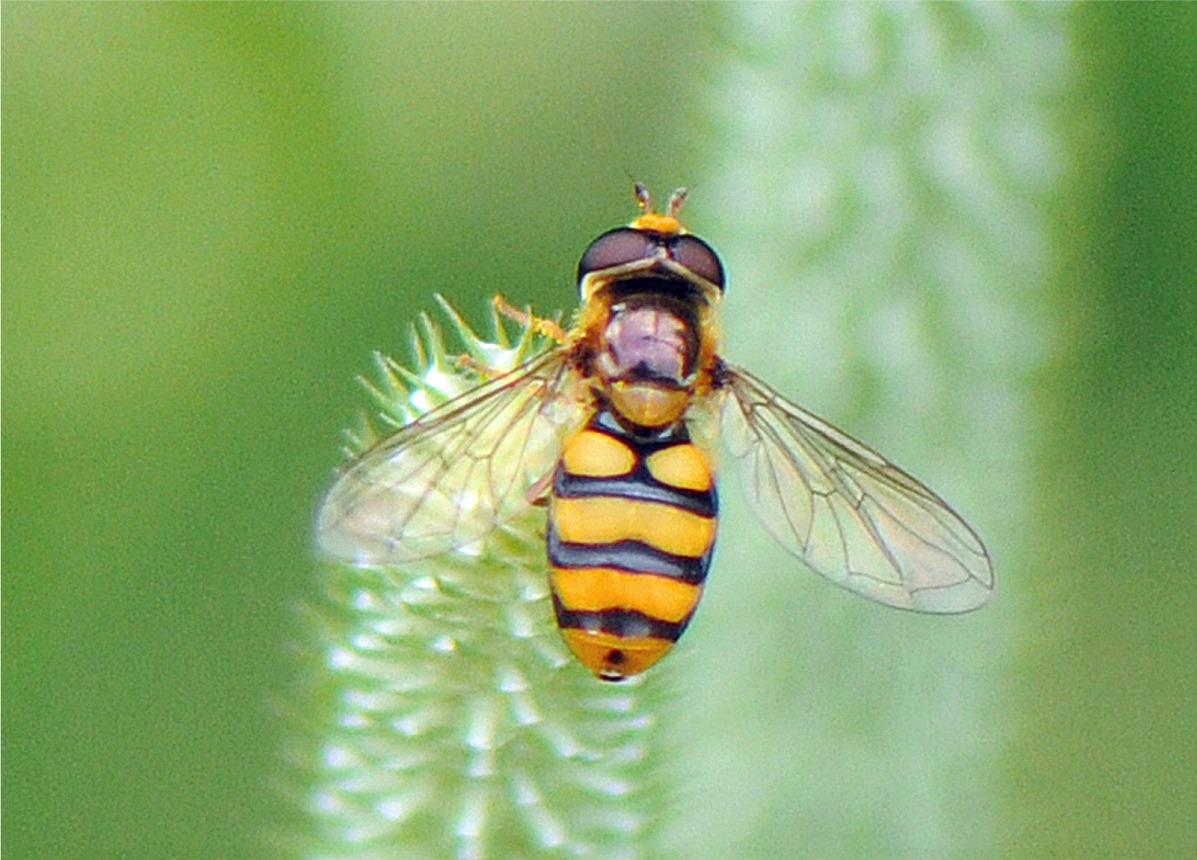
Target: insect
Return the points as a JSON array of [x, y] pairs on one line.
[[613, 429]]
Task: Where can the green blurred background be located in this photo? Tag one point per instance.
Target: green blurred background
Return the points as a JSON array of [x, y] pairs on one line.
[[212, 213]]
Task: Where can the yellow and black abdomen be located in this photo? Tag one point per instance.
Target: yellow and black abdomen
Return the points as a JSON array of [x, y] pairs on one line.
[[631, 528]]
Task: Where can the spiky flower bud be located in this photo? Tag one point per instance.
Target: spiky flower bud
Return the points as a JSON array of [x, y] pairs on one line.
[[455, 723]]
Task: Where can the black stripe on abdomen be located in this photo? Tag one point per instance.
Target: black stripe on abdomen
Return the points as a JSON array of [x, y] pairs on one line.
[[625, 623], [629, 556], [639, 484]]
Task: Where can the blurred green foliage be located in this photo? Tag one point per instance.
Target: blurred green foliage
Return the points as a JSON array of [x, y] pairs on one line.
[[213, 212]]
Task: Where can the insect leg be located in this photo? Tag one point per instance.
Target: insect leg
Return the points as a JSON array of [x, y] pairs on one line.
[[527, 319]]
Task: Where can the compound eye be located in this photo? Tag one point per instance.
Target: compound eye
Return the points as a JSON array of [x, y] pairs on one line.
[[616, 248], [699, 257]]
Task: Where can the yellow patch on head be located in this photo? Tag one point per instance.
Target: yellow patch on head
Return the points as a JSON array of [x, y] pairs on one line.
[[658, 222]]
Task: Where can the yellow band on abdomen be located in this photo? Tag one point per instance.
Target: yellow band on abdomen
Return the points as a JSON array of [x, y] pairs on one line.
[[615, 657], [597, 455], [607, 519], [682, 466], [596, 589]]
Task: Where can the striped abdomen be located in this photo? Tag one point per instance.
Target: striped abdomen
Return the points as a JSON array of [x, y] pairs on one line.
[[631, 528]]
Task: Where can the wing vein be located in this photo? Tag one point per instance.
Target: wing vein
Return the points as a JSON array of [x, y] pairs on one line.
[[849, 513]]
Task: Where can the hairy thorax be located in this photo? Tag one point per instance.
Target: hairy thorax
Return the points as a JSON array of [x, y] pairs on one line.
[[646, 361]]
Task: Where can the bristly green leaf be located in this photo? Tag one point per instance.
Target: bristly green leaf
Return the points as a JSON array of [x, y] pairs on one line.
[[454, 723]]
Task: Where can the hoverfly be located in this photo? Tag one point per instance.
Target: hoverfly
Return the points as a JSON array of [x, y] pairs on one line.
[[613, 428]]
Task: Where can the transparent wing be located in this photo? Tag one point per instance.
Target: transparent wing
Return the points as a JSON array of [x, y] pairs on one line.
[[448, 478], [846, 511]]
